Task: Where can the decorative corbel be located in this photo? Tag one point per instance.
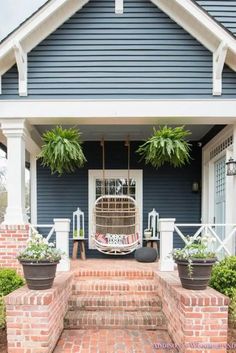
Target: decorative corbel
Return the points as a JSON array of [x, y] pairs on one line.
[[119, 7], [218, 64], [21, 62]]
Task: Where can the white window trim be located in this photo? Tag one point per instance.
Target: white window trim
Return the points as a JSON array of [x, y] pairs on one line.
[[94, 174], [208, 203]]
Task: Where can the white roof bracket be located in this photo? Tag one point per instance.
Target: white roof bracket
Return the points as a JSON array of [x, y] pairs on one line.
[[119, 7], [219, 57], [21, 62]]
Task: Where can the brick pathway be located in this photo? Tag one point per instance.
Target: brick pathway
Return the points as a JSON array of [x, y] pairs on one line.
[[112, 341]]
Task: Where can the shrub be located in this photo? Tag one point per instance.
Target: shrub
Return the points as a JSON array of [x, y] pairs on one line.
[[9, 281], [2, 313], [223, 279], [232, 309]]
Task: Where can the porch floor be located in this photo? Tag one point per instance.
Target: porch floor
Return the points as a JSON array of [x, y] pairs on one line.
[[113, 341], [114, 264]]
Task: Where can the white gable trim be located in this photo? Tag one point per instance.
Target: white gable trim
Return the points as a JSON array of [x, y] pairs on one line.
[[21, 62], [184, 12], [200, 25], [119, 7], [218, 65], [37, 28]]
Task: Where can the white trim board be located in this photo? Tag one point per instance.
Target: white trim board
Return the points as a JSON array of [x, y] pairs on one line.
[[208, 177], [116, 112], [93, 174]]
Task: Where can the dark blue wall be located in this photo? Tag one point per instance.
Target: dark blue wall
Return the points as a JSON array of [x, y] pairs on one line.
[[166, 189], [141, 54], [224, 11]]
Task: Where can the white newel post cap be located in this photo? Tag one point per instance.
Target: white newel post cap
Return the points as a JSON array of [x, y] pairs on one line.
[[166, 224], [166, 229], [61, 224]]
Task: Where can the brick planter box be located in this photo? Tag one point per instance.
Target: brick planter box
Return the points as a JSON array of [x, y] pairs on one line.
[[35, 318], [197, 321], [12, 239]]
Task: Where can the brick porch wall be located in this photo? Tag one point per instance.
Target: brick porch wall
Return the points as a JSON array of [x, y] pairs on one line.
[[35, 318], [194, 317], [12, 239]]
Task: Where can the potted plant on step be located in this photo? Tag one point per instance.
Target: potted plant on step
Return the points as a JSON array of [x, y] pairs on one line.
[[195, 262], [39, 260]]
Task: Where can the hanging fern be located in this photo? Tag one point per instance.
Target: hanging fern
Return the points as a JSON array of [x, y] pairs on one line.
[[167, 145], [62, 151]]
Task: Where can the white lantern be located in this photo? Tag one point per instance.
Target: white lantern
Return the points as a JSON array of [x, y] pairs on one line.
[[153, 218], [78, 224]]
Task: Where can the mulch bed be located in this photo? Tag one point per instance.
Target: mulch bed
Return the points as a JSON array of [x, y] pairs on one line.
[[3, 341]]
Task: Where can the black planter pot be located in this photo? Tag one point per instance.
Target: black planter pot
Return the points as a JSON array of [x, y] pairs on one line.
[[39, 275], [201, 273]]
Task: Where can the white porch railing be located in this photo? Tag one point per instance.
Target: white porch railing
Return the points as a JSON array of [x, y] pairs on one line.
[[224, 235], [61, 228], [225, 239], [34, 228]]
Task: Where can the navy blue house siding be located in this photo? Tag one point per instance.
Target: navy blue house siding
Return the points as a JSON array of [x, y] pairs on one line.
[[224, 11], [142, 54], [166, 189]]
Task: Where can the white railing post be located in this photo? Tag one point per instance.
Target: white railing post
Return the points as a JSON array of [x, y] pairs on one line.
[[62, 229], [166, 229]]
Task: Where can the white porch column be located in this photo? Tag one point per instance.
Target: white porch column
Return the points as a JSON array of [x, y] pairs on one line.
[[15, 133], [33, 188], [62, 229], [166, 229]]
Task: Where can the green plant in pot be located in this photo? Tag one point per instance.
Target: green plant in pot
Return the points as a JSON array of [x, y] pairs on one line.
[[195, 262], [62, 151], [166, 145], [39, 260]]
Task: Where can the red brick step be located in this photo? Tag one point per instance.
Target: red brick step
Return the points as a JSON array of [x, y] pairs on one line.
[[114, 286], [115, 302], [114, 273], [113, 319]]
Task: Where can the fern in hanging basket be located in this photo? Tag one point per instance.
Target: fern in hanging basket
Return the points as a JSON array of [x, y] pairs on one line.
[[166, 145], [62, 151]]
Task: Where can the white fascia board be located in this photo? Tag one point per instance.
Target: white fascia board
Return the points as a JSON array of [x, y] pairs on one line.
[[142, 112], [37, 28], [201, 26]]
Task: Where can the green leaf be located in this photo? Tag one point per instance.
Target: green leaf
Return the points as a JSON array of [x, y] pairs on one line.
[[61, 150], [166, 145]]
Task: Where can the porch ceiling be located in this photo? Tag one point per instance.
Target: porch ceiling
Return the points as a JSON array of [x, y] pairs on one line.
[[120, 132]]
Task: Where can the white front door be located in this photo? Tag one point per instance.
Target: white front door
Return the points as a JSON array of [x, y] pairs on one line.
[[115, 183], [219, 196]]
